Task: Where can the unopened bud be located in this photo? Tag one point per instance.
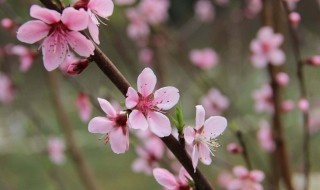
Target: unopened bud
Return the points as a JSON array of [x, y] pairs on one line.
[[77, 67], [314, 60], [234, 148], [294, 19]]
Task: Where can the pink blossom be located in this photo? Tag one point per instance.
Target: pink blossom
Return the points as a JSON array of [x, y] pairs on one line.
[[146, 56], [84, 106], [282, 79], [138, 28], [70, 58], [263, 99], [77, 67], [287, 105], [203, 136], [314, 60], [204, 58], [113, 125], [234, 148], [294, 19], [253, 8], [303, 105], [266, 48], [224, 178], [6, 89], [214, 102], [149, 154], [147, 107], [95, 9], [246, 180], [56, 148], [7, 23], [265, 137], [154, 11], [26, 56], [60, 31], [124, 2], [204, 10], [170, 182]]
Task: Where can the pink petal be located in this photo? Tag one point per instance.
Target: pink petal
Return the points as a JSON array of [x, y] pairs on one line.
[[277, 57], [107, 107], [103, 8], [94, 31], [204, 154], [132, 98], [165, 178], [119, 140], [146, 82], [240, 171], [156, 147], [200, 116], [276, 40], [195, 157], [80, 44], [214, 126], [257, 175], [137, 120], [141, 165], [189, 134], [46, 15], [167, 97], [265, 33], [100, 125], [183, 175], [75, 20], [159, 124], [259, 60], [32, 31], [54, 51]]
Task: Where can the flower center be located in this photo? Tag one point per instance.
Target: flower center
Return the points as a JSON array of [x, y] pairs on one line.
[[146, 104], [265, 47], [121, 120], [211, 142]]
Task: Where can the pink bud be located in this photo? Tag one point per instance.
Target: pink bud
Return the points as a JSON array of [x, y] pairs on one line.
[[314, 60], [234, 148], [7, 23], [146, 56], [282, 79], [303, 105], [287, 105], [77, 67], [294, 19]]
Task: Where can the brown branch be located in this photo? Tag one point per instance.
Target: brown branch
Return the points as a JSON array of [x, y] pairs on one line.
[[303, 95], [84, 171], [281, 162]]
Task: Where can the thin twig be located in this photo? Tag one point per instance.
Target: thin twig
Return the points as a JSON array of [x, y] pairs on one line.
[[245, 150]]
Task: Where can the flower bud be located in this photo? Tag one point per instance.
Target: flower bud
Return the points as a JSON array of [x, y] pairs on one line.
[[77, 67], [234, 148], [294, 19]]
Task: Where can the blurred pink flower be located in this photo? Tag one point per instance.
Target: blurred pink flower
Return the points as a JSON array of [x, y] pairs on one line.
[[253, 8], [204, 58], [84, 106], [56, 148], [266, 48], [113, 125], [154, 11], [138, 28], [95, 9], [149, 154], [303, 105], [7, 23], [234, 148], [224, 179], [214, 102], [26, 56], [170, 182], [59, 31], [282, 79], [294, 19], [7, 91], [287, 105], [204, 10], [246, 180], [148, 106], [124, 2], [263, 99], [203, 136], [314, 60], [265, 137], [146, 56]]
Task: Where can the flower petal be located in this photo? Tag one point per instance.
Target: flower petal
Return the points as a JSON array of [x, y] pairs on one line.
[[80, 44], [107, 107], [32, 31], [189, 134], [277, 57], [214, 126], [94, 31], [46, 15], [167, 97], [146, 82], [119, 140], [137, 120], [159, 124], [100, 125], [240, 171], [204, 154], [184, 176], [54, 51], [257, 175], [75, 20], [142, 165], [195, 157], [103, 8], [132, 98], [165, 178], [200, 116]]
